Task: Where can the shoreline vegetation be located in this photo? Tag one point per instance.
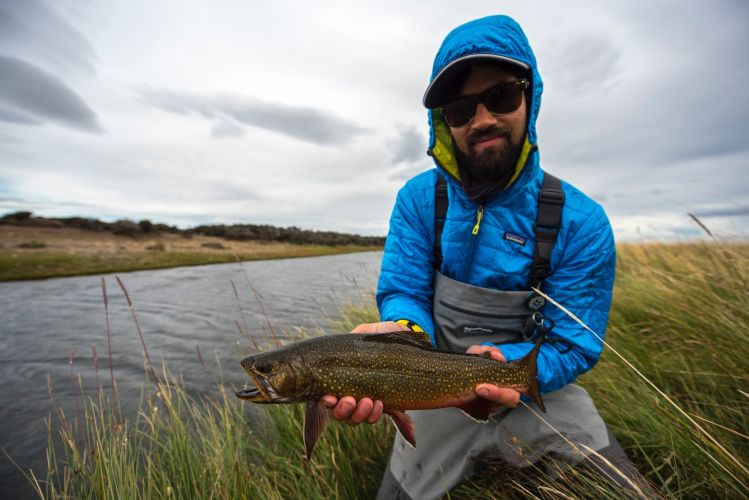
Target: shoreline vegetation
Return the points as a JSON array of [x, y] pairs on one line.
[[679, 316], [37, 247]]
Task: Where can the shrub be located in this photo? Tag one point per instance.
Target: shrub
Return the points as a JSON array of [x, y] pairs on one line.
[[126, 228], [84, 223], [32, 244], [15, 216], [148, 227]]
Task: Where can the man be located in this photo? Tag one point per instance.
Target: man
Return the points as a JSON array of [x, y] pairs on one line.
[[467, 241]]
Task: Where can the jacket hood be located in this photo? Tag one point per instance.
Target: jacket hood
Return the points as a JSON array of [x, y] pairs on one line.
[[497, 36]]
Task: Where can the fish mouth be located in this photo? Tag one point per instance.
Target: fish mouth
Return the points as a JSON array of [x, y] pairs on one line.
[[263, 392]]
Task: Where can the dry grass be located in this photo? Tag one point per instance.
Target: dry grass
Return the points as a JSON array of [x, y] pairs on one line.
[[72, 252]]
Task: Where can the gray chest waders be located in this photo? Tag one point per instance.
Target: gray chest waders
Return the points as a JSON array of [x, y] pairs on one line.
[[448, 441], [466, 315]]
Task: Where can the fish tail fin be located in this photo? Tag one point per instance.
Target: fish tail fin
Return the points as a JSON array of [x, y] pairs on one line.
[[534, 391]]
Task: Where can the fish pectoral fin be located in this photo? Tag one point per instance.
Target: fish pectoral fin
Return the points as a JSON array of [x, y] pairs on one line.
[[405, 426], [315, 422], [478, 409]]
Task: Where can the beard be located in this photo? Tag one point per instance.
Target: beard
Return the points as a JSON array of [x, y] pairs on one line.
[[491, 164], [488, 171]]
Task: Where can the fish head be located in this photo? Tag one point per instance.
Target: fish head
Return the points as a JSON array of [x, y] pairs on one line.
[[278, 377]]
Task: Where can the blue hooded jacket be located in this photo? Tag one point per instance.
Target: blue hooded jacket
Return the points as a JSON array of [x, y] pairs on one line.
[[582, 261]]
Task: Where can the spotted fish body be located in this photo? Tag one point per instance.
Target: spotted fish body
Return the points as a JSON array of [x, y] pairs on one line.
[[401, 369]]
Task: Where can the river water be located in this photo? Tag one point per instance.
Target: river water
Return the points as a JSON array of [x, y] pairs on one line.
[[49, 330]]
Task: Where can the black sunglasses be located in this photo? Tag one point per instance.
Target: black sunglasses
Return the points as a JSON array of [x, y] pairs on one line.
[[501, 99]]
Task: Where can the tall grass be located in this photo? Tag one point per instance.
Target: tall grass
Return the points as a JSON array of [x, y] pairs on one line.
[[679, 315], [182, 447]]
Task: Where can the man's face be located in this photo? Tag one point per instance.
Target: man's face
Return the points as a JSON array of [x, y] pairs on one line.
[[489, 144]]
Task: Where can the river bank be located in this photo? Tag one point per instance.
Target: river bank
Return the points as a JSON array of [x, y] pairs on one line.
[[45, 252]]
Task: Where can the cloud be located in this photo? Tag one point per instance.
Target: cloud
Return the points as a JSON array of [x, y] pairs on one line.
[[13, 116], [304, 123], [641, 105], [29, 94], [409, 145], [732, 211], [226, 130], [582, 63], [8, 139], [677, 94], [37, 32]]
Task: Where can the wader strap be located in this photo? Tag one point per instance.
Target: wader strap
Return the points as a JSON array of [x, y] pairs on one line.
[[440, 213], [548, 222]]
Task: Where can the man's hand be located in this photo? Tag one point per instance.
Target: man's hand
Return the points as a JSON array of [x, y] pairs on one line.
[[383, 327], [347, 409], [500, 395]]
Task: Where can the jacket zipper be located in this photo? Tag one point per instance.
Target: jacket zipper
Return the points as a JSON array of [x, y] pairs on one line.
[[479, 217], [474, 232]]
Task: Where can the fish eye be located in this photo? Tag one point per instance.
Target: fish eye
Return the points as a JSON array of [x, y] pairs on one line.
[[263, 367]]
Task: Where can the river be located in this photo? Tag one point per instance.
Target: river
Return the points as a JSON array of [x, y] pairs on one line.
[[50, 329]]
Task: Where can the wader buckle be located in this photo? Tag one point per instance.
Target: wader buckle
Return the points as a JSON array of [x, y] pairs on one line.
[[536, 302], [554, 196], [538, 319]]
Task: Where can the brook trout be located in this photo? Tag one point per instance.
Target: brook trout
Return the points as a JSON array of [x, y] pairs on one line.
[[401, 369]]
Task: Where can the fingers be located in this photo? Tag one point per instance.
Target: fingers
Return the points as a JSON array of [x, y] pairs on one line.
[[495, 353], [477, 349], [329, 400], [348, 410], [376, 412], [361, 412], [500, 395], [383, 327], [363, 328], [345, 407]]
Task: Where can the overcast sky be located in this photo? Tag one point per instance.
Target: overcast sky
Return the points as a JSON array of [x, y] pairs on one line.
[[309, 113]]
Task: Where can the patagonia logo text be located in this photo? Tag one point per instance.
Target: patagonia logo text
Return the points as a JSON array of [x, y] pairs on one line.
[[476, 331], [514, 238]]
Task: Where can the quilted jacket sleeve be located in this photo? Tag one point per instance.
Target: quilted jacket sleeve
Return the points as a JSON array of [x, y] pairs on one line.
[[582, 281], [405, 287]]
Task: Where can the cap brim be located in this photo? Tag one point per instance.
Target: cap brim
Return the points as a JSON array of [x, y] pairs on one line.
[[439, 90]]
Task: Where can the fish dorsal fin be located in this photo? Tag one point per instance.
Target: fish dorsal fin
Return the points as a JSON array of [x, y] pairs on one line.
[[414, 339], [405, 426], [315, 422]]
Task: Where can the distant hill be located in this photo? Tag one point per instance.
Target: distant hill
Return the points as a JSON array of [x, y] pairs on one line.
[[240, 232]]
